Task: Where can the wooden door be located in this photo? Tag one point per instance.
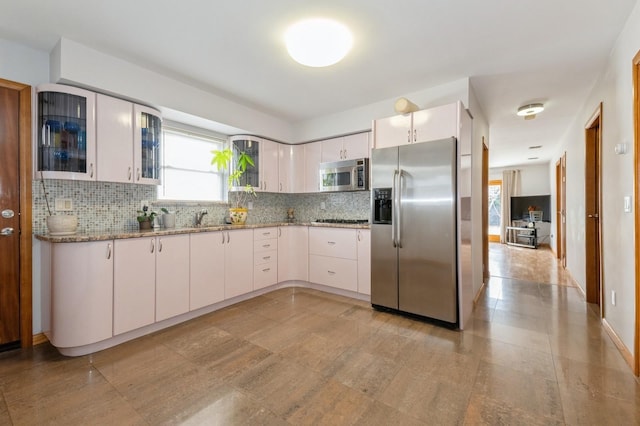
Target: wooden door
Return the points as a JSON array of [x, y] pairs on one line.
[[561, 208], [592, 208], [485, 212], [10, 218]]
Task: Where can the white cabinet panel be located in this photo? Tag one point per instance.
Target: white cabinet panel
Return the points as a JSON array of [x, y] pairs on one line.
[[291, 168], [334, 272], [332, 150], [114, 130], [435, 123], [333, 242], [207, 269], [269, 181], [238, 262], [293, 253], [312, 160], [356, 146], [364, 261], [265, 274], [81, 293], [392, 131], [134, 284], [265, 233], [172, 276]]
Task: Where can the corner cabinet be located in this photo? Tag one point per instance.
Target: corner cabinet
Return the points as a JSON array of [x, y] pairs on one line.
[[263, 176], [66, 138]]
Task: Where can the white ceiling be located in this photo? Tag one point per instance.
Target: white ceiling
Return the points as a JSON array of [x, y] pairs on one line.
[[514, 52]]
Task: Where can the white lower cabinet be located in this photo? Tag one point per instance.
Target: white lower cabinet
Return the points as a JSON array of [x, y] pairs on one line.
[[81, 293], [134, 284], [364, 261], [265, 257], [172, 276], [238, 258], [207, 269], [293, 253], [333, 257]]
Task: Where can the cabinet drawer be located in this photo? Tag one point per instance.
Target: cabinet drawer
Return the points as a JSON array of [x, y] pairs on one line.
[[265, 245], [265, 275], [263, 257], [265, 233], [333, 242], [334, 272]]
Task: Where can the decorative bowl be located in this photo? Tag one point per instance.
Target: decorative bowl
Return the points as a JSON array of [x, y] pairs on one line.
[[62, 224]]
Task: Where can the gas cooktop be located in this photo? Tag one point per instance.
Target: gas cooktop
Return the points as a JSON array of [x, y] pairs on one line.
[[349, 221]]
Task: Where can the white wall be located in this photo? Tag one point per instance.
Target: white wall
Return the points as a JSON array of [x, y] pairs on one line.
[[615, 90], [534, 179]]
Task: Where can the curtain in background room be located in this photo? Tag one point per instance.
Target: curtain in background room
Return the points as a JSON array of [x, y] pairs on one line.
[[510, 187]]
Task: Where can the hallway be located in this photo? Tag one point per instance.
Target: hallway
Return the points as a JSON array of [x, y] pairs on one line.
[[535, 354]]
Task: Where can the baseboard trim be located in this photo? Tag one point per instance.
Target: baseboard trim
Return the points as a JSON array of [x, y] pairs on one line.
[[626, 354], [39, 339], [479, 293]]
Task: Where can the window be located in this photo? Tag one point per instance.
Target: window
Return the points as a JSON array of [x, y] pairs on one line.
[[187, 172]]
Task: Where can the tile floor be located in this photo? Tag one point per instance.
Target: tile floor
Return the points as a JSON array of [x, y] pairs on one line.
[[535, 354]]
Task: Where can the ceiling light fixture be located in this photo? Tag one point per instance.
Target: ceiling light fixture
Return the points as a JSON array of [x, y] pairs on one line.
[[318, 42], [529, 111]]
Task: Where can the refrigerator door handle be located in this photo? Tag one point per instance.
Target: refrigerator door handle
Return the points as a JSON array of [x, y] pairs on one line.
[[399, 209], [394, 189]]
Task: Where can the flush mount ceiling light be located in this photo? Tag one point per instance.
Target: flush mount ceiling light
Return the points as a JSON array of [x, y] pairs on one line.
[[318, 42], [529, 111]]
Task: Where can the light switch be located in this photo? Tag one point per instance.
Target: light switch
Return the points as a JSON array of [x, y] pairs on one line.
[[627, 204]]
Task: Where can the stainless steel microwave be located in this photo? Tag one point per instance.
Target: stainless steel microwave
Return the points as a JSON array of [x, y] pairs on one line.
[[347, 175]]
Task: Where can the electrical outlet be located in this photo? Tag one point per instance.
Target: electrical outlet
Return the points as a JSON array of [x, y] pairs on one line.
[[613, 297], [64, 205], [323, 206], [250, 205], [144, 203]]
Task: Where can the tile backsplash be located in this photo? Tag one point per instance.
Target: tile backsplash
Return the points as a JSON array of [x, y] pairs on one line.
[[108, 207]]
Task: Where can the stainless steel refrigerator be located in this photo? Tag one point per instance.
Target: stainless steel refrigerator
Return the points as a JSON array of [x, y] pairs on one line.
[[415, 232]]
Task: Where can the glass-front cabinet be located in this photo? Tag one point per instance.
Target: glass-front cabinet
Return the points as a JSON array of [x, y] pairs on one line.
[[66, 133], [147, 143], [249, 145]]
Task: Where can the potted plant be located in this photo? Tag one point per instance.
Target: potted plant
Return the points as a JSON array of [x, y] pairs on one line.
[[237, 199], [145, 218]]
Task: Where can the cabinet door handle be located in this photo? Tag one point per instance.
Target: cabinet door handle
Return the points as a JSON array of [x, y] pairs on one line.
[[331, 272], [129, 174], [138, 173], [345, 154], [266, 257], [153, 245], [415, 135], [266, 270], [331, 243], [91, 170], [266, 233], [222, 233], [408, 136], [228, 237], [280, 186], [359, 236], [108, 251], [160, 245], [266, 245], [279, 232]]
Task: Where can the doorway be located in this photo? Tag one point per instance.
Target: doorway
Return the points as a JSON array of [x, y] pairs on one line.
[[495, 209], [15, 215], [561, 210], [593, 230], [485, 212]]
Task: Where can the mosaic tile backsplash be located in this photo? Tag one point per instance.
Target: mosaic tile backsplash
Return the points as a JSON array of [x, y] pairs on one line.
[[109, 207]]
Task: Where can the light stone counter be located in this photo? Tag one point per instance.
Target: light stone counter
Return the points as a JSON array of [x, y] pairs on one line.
[[116, 235]]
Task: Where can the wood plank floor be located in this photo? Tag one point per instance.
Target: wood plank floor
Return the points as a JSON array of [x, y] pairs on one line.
[[534, 354]]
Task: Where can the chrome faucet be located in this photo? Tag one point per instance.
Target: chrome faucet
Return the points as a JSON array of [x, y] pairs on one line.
[[199, 217]]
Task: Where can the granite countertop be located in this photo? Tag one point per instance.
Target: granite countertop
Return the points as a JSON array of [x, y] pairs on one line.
[[116, 235]]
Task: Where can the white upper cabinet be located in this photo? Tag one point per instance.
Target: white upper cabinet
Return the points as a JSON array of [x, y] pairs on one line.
[[420, 126], [263, 176], [291, 168], [147, 136], [312, 160], [66, 133], [115, 139], [346, 147]]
